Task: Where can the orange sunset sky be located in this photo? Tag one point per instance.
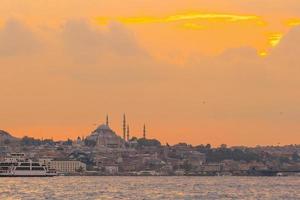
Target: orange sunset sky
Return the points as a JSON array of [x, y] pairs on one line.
[[195, 71]]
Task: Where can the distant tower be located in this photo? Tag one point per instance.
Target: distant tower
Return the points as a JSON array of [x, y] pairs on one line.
[[124, 127], [128, 133], [144, 132], [107, 121]]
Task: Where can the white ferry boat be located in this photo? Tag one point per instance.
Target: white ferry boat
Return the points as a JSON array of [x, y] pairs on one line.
[[12, 167]]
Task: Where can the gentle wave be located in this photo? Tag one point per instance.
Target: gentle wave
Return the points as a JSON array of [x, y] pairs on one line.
[[150, 188]]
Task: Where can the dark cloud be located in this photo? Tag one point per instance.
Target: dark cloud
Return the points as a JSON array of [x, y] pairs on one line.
[[17, 39], [288, 51], [89, 44]]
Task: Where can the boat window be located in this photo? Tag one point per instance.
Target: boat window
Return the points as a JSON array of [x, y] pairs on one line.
[[37, 168], [35, 164], [3, 168], [22, 168], [5, 164], [25, 164]]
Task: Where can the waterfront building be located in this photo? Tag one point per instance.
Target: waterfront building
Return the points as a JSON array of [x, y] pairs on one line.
[[111, 169], [196, 158], [212, 167], [179, 172], [230, 165], [67, 166]]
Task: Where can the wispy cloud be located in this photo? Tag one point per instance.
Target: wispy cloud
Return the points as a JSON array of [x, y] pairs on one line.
[[223, 17], [192, 26], [293, 22], [275, 38]]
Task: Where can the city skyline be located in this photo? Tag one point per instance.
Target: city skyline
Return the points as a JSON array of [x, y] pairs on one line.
[[192, 71], [124, 132]]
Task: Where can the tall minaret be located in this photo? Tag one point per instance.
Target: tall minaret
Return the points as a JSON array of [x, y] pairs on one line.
[[107, 121], [144, 132], [124, 127], [128, 138]]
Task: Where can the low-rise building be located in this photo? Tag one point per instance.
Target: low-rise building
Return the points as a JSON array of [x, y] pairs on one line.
[[67, 166], [111, 169], [213, 167]]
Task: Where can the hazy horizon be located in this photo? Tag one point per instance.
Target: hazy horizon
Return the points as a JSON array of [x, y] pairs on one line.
[[192, 71]]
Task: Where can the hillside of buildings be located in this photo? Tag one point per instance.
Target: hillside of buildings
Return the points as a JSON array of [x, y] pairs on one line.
[[104, 152], [6, 137]]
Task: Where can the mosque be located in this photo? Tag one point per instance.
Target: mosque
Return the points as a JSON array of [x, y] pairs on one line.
[[104, 136]]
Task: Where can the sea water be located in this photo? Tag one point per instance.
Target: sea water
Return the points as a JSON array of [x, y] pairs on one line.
[[155, 188]]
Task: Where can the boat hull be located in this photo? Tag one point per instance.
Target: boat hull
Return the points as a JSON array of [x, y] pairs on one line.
[[27, 175]]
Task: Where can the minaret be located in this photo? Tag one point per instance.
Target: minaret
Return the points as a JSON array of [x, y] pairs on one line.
[[128, 138], [124, 127], [107, 121], [144, 132]]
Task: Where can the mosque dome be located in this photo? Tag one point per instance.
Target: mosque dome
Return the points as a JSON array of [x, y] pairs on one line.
[[103, 135], [103, 127]]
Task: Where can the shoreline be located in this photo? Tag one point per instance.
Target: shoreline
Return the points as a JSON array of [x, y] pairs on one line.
[[139, 176]]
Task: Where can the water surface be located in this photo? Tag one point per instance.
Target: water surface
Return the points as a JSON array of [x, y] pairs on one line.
[[150, 188]]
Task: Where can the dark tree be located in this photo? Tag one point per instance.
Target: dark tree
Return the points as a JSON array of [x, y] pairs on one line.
[[69, 142], [148, 142], [30, 141]]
